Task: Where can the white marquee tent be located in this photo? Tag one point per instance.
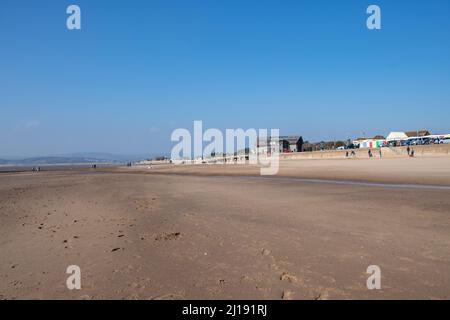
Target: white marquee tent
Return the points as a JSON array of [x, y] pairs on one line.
[[396, 136]]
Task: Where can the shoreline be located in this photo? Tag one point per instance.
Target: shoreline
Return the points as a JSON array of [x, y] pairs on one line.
[[432, 172]]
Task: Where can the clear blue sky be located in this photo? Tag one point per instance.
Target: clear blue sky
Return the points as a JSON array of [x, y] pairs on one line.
[[139, 69]]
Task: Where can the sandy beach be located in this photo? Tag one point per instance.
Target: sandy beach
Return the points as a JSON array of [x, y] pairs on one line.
[[224, 232]]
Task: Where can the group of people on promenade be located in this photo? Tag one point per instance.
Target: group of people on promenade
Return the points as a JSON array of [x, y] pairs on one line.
[[371, 154], [347, 154], [409, 150]]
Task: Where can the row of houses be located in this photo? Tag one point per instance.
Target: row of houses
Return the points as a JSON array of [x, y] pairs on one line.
[[400, 138], [393, 136], [286, 144]]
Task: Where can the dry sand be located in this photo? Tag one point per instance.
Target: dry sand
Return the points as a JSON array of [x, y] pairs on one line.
[[219, 232]]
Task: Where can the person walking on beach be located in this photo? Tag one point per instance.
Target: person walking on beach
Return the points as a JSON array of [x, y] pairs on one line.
[[408, 150], [370, 153], [380, 154], [412, 153]]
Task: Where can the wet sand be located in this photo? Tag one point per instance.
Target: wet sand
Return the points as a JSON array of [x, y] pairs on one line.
[[432, 171], [219, 232]]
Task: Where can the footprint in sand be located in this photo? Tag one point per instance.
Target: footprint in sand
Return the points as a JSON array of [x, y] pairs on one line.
[[167, 236], [288, 277]]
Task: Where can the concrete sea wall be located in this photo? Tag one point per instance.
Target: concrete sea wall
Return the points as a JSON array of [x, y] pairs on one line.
[[434, 150]]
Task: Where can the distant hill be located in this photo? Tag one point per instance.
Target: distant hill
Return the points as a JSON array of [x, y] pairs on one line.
[[81, 158], [51, 160], [107, 156]]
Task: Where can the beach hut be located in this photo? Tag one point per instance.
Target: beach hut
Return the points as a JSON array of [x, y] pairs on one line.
[[372, 143]]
